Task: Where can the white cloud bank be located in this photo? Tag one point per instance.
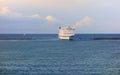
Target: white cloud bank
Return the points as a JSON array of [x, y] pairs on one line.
[[7, 11], [85, 21], [4, 10], [51, 19], [35, 16]]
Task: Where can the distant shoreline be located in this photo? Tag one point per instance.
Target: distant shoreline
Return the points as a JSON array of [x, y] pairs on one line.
[[36, 39], [106, 38], [17, 39]]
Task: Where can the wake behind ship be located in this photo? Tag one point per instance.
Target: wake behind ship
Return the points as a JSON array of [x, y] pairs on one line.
[[66, 33]]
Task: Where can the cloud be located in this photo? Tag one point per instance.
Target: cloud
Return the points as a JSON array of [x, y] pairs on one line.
[[85, 20], [50, 19], [35, 16], [5, 10]]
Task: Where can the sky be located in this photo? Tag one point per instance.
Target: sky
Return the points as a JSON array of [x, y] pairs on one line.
[[46, 16]]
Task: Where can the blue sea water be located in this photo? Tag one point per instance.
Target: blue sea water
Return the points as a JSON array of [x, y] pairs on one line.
[[50, 56]]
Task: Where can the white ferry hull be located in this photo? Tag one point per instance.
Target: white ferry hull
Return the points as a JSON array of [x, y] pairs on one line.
[[66, 38]]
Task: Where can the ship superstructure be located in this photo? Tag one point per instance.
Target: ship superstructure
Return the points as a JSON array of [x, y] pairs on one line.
[[66, 33]]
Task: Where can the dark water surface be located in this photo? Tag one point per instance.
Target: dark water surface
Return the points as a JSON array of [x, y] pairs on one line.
[[51, 56]]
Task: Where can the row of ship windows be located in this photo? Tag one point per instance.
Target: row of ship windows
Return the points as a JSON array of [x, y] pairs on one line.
[[67, 33]]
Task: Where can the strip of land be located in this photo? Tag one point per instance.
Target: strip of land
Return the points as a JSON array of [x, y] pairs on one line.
[[17, 39], [106, 38], [36, 39]]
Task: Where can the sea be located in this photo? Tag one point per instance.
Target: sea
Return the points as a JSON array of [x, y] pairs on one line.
[[49, 55]]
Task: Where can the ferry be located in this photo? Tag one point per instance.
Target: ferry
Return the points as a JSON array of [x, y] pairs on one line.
[[66, 33]]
